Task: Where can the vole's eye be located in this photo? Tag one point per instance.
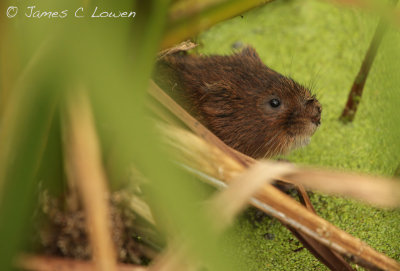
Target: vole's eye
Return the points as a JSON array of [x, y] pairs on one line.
[[274, 103]]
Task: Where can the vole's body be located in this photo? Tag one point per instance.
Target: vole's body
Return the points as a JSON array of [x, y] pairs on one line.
[[249, 106]]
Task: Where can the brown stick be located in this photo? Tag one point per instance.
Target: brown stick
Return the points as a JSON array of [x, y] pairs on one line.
[[271, 200], [85, 161], [329, 257], [356, 91]]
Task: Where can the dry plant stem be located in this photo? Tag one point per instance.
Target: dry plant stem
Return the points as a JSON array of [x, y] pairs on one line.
[[285, 209], [207, 15], [304, 199], [316, 227], [85, 163], [228, 203], [274, 202], [374, 190], [328, 256], [356, 91], [46, 263], [183, 46], [323, 253]]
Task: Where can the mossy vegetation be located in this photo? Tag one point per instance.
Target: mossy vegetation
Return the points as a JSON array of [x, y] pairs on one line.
[[322, 45]]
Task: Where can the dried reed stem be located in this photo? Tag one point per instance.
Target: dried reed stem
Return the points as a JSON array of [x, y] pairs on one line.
[[181, 47], [219, 165], [228, 203], [222, 163], [85, 161], [379, 191]]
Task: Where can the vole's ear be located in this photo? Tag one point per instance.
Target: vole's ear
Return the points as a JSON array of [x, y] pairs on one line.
[[217, 98], [251, 52]]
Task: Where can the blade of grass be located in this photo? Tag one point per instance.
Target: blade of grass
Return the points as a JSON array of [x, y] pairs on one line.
[[24, 129]]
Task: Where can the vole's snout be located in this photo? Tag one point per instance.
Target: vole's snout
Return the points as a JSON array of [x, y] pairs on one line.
[[316, 119]]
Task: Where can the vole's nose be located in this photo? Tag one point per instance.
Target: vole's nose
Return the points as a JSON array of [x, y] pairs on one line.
[[316, 119]]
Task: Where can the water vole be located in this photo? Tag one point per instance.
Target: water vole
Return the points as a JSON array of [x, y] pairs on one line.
[[251, 107]]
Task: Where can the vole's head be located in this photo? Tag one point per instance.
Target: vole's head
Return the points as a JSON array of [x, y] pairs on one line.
[[291, 111], [257, 110]]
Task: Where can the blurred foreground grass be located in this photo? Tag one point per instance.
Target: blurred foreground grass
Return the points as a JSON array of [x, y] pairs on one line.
[[112, 59]]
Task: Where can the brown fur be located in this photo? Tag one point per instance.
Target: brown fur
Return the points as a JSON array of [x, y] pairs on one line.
[[230, 95]]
